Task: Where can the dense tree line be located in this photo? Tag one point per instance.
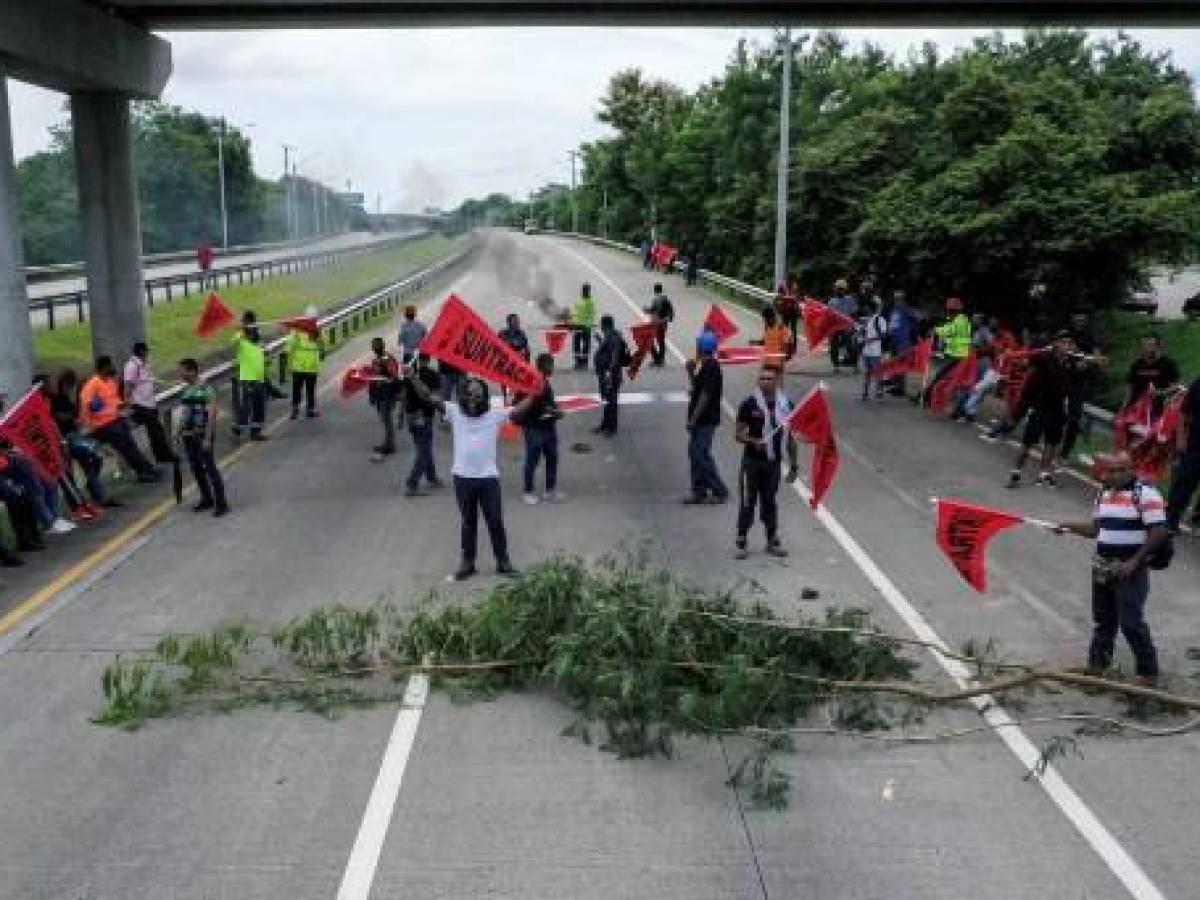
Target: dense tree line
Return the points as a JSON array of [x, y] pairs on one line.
[[178, 191], [1052, 160]]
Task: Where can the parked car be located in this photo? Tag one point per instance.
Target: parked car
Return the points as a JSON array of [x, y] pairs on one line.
[[1141, 301], [530, 226], [1191, 308]]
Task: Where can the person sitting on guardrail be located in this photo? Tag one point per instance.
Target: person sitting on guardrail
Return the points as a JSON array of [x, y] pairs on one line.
[[100, 409], [18, 502], [139, 391], [251, 367], [305, 352], [81, 448], [198, 434]]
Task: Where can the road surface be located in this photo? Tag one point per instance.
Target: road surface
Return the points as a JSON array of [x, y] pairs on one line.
[[492, 801]]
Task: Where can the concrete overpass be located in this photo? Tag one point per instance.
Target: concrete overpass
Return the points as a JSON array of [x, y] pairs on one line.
[[102, 53]]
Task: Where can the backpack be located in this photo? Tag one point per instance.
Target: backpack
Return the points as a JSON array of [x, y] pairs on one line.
[[1160, 557]]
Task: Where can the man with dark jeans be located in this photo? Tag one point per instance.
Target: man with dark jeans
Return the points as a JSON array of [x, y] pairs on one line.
[[100, 408], [381, 394], [1128, 523], [251, 366], [1186, 476], [198, 434], [662, 313], [1087, 361], [143, 406], [761, 425], [541, 437], [704, 415], [611, 357], [476, 429], [420, 415]]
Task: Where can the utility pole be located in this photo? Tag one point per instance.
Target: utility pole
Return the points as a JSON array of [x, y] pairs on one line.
[[604, 213], [574, 202], [781, 184], [221, 178], [287, 189]]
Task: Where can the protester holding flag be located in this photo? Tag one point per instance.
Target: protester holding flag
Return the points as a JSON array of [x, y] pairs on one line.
[[476, 429], [204, 260], [776, 339], [902, 336], [703, 416], [383, 390], [1046, 398], [1185, 477], [251, 365], [873, 335], [1129, 524], [198, 435], [139, 392], [1083, 378], [514, 335], [841, 345], [954, 336], [583, 320], [412, 332], [100, 415], [761, 430], [787, 307], [662, 314], [1152, 368], [611, 358], [420, 413], [305, 350], [540, 424]]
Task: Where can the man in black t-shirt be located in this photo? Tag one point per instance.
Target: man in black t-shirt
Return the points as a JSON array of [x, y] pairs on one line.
[[541, 436], [663, 314], [1152, 367], [1185, 478], [1046, 398], [762, 432], [1083, 366], [420, 415], [611, 359], [704, 415]]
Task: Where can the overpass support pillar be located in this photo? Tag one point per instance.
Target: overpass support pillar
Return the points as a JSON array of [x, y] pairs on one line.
[[16, 336], [108, 206]]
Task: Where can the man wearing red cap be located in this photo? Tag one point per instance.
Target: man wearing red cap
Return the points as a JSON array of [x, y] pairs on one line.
[[954, 336]]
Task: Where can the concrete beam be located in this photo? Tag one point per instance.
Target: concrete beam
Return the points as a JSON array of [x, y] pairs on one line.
[[108, 208], [16, 336], [69, 45]]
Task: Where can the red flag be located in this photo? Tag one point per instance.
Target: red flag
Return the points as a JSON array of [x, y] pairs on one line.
[[963, 530], [812, 421], [308, 324], [1152, 454], [914, 359], [1134, 420], [720, 324], [822, 321], [740, 356], [643, 339], [213, 317], [29, 426], [576, 403], [356, 379], [961, 377], [556, 339], [510, 431], [924, 356], [463, 339], [1016, 365]]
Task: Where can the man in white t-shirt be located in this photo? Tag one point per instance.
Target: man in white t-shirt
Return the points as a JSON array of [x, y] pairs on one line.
[[475, 427]]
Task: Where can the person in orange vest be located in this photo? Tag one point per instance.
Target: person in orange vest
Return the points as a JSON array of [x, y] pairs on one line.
[[776, 339], [100, 409]]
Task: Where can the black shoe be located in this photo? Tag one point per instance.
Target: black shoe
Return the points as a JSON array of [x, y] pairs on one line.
[[465, 571], [151, 477], [312, 414], [599, 429], [504, 567], [437, 483], [112, 504], [256, 436], [295, 414], [384, 450], [694, 500], [203, 505], [740, 551], [236, 432], [10, 560], [717, 500], [221, 510], [774, 548]]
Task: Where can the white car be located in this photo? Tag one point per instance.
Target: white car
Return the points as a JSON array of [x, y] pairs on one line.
[[530, 226]]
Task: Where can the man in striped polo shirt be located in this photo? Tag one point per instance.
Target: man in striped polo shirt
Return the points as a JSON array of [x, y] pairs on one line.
[[1128, 523]]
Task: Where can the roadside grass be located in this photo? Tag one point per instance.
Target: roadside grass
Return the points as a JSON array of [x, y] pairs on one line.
[[171, 326]]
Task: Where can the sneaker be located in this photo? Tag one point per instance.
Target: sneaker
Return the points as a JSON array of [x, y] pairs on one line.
[[61, 526], [295, 414], [530, 499], [1014, 479], [554, 496], [384, 449], [1147, 681], [84, 514], [203, 505], [504, 567], [413, 491], [236, 432], [465, 571], [716, 500], [437, 483], [1047, 479], [221, 510], [774, 548], [312, 414], [112, 504], [257, 436], [694, 500], [740, 551], [376, 457]]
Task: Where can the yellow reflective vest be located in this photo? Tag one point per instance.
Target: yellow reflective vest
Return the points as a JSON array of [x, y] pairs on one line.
[[584, 313], [956, 336], [304, 353]]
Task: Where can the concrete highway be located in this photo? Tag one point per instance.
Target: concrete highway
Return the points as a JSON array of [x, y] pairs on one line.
[[491, 801]]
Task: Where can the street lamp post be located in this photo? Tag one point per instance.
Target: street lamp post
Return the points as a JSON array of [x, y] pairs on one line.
[[574, 201], [221, 170], [781, 181]]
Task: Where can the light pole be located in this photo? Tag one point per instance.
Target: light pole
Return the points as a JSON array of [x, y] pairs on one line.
[[220, 125], [287, 189], [574, 202], [781, 181]]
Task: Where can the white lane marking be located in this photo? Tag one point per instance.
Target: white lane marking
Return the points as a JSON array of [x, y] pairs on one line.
[[1089, 826], [364, 858]]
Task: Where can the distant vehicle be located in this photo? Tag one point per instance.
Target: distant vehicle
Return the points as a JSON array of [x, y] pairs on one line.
[[1191, 308], [530, 226], [1141, 301]]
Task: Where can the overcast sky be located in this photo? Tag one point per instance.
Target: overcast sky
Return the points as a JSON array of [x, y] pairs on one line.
[[434, 116]]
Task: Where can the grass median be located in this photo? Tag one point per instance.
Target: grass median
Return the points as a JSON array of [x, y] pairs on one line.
[[170, 327]]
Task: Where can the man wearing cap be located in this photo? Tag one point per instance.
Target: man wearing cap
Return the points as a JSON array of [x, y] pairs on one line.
[[841, 345], [955, 337], [704, 415]]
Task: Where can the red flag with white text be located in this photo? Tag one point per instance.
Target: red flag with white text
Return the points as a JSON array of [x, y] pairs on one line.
[[963, 531], [29, 426], [821, 322], [462, 338], [719, 323], [812, 421], [214, 317]]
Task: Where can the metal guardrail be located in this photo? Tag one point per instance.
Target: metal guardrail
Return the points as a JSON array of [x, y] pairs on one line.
[[1092, 415], [358, 313], [167, 288]]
